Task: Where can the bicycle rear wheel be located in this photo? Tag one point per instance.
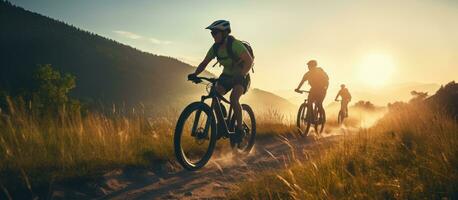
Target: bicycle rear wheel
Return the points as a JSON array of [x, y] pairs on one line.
[[249, 126], [320, 120], [195, 136]]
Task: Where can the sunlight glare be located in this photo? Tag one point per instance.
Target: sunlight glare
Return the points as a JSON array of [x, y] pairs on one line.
[[376, 69]]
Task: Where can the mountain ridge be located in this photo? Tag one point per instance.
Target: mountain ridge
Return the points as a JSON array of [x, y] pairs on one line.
[[106, 70]]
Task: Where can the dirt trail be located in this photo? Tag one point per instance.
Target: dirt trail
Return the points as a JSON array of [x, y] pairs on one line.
[[215, 180]]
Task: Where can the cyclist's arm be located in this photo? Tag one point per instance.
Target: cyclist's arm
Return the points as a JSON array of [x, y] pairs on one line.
[[304, 78], [337, 96], [210, 55], [203, 65]]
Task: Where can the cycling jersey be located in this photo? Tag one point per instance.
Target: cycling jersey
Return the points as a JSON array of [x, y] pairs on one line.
[[230, 68], [345, 94], [317, 78]]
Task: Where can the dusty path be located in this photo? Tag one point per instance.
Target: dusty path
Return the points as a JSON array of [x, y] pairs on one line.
[[215, 180]]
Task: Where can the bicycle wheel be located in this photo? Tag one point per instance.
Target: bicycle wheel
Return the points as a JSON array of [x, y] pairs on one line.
[[195, 136], [302, 122], [320, 120], [249, 126]]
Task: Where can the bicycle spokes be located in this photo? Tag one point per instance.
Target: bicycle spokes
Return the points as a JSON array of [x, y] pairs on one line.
[[304, 115], [200, 125], [195, 136], [249, 130]]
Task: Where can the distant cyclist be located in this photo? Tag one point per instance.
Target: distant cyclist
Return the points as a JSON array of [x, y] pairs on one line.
[[346, 98], [318, 81], [237, 62]]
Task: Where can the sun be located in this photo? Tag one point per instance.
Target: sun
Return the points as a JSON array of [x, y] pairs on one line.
[[376, 69]]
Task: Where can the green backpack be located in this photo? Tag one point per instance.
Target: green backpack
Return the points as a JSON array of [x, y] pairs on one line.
[[230, 51]]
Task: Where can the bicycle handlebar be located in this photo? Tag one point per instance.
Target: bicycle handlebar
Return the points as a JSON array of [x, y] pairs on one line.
[[302, 91], [211, 80], [199, 79]]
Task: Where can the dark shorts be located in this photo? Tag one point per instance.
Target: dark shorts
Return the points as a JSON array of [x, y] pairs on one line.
[[344, 103], [228, 82], [317, 95]]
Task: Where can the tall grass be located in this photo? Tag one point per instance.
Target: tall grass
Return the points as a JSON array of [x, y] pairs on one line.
[[273, 122], [409, 154], [38, 149]]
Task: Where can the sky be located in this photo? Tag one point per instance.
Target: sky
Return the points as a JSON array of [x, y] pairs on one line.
[[360, 43]]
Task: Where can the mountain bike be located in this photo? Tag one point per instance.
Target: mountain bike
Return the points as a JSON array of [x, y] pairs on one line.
[[307, 117], [342, 115], [200, 125]]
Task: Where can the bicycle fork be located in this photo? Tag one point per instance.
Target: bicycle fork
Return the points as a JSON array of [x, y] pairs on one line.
[[196, 124]]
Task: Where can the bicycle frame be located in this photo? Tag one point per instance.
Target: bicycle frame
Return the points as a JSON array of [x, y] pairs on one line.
[[341, 108], [216, 107], [306, 103], [310, 112]]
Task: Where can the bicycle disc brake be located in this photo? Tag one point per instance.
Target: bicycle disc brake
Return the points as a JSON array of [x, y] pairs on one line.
[[201, 136]]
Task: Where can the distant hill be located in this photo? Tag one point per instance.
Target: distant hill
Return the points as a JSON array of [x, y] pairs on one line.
[[263, 101], [107, 71], [392, 93]]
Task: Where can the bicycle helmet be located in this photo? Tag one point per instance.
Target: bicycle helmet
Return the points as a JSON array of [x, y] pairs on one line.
[[220, 25], [312, 62]]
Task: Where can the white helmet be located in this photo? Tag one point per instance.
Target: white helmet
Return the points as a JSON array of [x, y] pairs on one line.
[[221, 25]]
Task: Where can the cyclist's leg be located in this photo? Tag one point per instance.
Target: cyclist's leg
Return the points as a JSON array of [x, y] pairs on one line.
[[311, 99], [220, 89], [319, 101], [345, 105], [319, 104], [241, 85], [224, 84], [342, 105], [236, 93]]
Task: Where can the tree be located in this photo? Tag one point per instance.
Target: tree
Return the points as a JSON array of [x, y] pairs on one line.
[[367, 105], [418, 96], [53, 88]]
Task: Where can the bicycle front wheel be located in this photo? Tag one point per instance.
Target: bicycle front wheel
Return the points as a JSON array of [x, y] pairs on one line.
[[340, 118], [302, 123], [195, 136]]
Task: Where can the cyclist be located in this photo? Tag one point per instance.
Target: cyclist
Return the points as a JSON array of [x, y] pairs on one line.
[[346, 98], [318, 81], [235, 75]]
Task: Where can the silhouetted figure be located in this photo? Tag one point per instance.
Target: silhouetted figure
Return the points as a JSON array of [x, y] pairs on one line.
[[318, 81], [346, 98]]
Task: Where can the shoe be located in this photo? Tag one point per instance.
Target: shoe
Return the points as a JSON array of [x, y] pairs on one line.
[[238, 136]]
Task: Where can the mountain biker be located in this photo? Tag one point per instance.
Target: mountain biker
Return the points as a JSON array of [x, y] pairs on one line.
[[346, 98], [318, 81], [235, 75]]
